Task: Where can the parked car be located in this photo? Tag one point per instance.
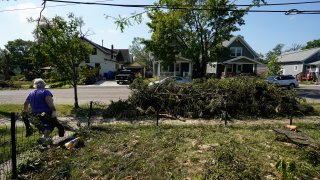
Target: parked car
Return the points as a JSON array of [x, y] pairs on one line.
[[125, 77], [177, 79], [283, 80]]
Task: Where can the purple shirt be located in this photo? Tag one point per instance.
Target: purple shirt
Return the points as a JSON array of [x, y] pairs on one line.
[[37, 100]]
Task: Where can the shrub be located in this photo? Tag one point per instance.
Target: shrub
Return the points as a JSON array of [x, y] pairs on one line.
[[118, 109], [57, 84], [9, 84]]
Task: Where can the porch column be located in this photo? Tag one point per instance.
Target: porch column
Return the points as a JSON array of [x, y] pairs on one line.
[[153, 68], [158, 69], [225, 70], [190, 69], [174, 69], [255, 68]]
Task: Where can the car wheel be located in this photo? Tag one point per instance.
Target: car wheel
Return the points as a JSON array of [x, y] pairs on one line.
[[291, 86]]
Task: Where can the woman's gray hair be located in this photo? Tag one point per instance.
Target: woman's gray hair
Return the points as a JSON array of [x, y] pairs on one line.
[[39, 83]]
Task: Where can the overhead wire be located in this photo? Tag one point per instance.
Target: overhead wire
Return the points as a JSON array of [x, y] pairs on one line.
[[286, 12]]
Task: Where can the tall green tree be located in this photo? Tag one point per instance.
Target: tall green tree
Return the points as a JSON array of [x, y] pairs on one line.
[[20, 52], [5, 63], [276, 51], [195, 32], [140, 53], [312, 44], [59, 42], [274, 67]]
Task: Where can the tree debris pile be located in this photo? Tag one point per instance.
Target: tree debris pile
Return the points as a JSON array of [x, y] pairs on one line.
[[238, 97]]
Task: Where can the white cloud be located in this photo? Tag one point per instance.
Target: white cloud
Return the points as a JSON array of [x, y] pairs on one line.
[[24, 11]]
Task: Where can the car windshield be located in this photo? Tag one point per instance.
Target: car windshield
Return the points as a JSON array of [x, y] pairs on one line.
[[270, 78]]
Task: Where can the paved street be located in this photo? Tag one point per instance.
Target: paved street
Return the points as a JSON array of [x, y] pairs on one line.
[[310, 92], [104, 92], [110, 90]]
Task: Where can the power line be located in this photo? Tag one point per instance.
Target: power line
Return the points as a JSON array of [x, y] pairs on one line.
[[287, 12], [31, 8], [148, 5]]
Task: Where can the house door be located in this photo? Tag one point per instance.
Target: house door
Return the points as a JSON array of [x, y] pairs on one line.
[[239, 68]]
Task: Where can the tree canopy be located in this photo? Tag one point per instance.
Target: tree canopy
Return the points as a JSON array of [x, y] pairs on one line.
[[20, 52], [276, 51], [59, 43], [140, 53], [194, 33], [312, 44], [274, 67]]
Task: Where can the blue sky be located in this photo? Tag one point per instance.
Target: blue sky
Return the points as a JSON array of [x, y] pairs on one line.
[[262, 31]]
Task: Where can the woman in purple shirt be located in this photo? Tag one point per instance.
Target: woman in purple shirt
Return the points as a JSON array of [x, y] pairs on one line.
[[41, 103]]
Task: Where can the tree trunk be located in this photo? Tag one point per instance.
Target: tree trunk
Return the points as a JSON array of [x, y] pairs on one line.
[[76, 104], [6, 67]]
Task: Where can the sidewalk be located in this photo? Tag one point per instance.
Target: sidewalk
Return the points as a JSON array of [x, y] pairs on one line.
[[105, 83], [309, 85]]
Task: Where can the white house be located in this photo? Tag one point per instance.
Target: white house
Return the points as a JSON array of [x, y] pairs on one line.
[[101, 57]]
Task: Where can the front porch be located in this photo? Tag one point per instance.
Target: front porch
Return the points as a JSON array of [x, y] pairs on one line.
[[240, 65], [182, 67]]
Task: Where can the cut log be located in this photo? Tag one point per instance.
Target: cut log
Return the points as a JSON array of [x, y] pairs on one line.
[[298, 137]]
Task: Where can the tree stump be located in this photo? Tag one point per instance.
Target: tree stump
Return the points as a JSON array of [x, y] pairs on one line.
[[298, 138]]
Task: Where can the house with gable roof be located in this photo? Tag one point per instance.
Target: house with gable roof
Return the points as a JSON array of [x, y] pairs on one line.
[[110, 61], [301, 63], [242, 59]]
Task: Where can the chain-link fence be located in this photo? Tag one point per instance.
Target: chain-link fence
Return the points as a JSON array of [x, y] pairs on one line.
[[17, 144]]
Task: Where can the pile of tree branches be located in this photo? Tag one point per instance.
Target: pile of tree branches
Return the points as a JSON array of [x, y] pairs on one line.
[[239, 97]]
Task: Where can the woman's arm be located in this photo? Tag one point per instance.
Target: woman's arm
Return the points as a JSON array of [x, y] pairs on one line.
[[49, 101], [26, 105]]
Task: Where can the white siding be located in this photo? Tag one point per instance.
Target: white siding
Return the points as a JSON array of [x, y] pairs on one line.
[[105, 65], [290, 69]]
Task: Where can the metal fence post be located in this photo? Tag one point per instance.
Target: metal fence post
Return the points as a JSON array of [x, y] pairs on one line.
[[157, 117], [13, 146], [90, 112]]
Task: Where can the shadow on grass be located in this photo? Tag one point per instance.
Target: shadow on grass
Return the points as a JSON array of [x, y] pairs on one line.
[[4, 114]]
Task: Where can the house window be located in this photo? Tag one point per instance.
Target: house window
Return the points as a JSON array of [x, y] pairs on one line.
[[295, 68], [94, 51], [97, 65], [235, 51]]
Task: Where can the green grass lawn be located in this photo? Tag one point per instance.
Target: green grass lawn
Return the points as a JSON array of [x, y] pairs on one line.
[[23, 143], [181, 152]]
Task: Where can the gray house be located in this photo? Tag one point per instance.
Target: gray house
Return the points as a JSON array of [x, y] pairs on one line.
[[241, 60], [300, 63]]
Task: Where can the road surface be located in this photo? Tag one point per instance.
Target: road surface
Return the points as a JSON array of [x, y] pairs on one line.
[[109, 90], [66, 96]]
